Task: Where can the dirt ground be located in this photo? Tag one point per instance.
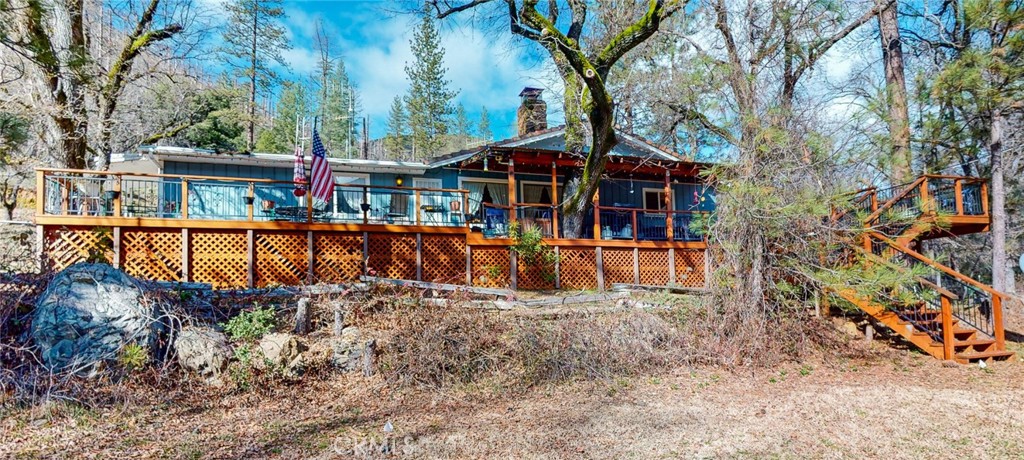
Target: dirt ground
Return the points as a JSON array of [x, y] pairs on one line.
[[891, 404]]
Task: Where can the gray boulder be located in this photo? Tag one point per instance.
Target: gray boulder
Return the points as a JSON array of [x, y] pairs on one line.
[[87, 314], [204, 351], [352, 352]]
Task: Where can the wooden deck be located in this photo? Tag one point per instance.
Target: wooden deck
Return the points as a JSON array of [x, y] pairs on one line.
[[246, 251]]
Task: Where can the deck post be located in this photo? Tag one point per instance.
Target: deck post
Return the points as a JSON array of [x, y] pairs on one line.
[[469, 265], [947, 328], [65, 196], [185, 259], [250, 258], [997, 322], [925, 204], [558, 266], [184, 198], [419, 211], [513, 271], [599, 259], [366, 204], [366, 253], [40, 192], [310, 257], [669, 231], [958, 192], [117, 247], [419, 253], [672, 265], [512, 190], [636, 266], [554, 206], [309, 207], [597, 215], [41, 248], [707, 269], [636, 230]]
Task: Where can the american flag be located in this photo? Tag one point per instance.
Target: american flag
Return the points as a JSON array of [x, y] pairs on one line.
[[321, 179]]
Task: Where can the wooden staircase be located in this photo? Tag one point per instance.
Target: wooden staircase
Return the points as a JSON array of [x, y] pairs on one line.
[[956, 317]]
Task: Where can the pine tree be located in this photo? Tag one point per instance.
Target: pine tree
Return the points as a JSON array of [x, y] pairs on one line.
[[398, 129], [483, 130], [429, 102], [463, 128], [339, 109], [253, 41], [293, 105]]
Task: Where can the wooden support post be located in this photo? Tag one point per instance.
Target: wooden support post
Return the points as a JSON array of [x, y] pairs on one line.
[[416, 207], [469, 265], [65, 196], [947, 328], [186, 248], [117, 247], [707, 269], [958, 192], [309, 207], [365, 205], [874, 201], [599, 259], [512, 190], [597, 215], [184, 198], [672, 265], [366, 252], [997, 322], [302, 316], [250, 258], [926, 206], [310, 257], [669, 231], [250, 201], [465, 208], [419, 257], [40, 193], [117, 196], [554, 202], [558, 266], [513, 271], [636, 266]]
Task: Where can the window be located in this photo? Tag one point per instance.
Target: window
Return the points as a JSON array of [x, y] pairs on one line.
[[654, 199], [348, 196]]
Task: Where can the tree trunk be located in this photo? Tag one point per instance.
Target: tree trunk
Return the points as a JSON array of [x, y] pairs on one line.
[[896, 92], [66, 42], [998, 208], [251, 128]]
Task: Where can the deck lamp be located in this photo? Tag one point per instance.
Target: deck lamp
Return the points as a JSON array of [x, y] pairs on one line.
[[249, 200], [399, 181], [364, 206]]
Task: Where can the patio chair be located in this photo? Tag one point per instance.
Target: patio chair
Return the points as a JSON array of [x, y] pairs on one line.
[[399, 208]]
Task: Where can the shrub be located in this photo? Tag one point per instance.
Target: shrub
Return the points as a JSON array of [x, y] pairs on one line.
[[251, 324], [133, 357]]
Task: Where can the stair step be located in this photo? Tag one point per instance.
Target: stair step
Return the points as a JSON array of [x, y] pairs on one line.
[[973, 343], [959, 333], [994, 354]]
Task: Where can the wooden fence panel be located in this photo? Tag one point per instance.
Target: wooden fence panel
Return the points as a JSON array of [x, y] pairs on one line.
[[491, 266], [578, 268], [152, 254], [654, 267], [219, 258], [339, 257], [618, 266], [690, 267], [281, 259], [66, 246], [444, 258], [393, 255]]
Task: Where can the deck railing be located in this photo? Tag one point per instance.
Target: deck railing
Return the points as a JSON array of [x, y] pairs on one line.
[[89, 193], [617, 223], [949, 195]]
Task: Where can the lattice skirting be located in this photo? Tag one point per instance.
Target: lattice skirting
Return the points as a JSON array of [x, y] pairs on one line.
[[653, 267], [338, 257], [578, 268], [444, 258], [618, 266], [152, 254], [490, 266], [690, 267], [392, 255], [66, 246], [281, 259], [219, 258]]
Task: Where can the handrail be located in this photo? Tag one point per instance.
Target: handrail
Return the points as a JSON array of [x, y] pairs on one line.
[[895, 199], [941, 290], [189, 177], [938, 266]]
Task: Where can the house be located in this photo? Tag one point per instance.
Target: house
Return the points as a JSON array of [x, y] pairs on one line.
[[237, 221], [446, 219]]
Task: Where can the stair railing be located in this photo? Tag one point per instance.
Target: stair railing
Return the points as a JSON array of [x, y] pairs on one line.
[[972, 302]]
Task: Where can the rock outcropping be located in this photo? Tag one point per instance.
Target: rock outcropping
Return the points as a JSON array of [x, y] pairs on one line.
[[87, 314], [204, 351]]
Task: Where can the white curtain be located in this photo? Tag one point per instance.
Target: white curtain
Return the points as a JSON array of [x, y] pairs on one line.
[[476, 194], [532, 193], [499, 194]]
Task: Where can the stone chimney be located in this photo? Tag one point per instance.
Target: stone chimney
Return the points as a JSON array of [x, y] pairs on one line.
[[533, 112]]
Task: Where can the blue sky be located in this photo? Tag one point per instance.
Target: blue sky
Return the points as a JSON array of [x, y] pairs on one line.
[[487, 68]]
